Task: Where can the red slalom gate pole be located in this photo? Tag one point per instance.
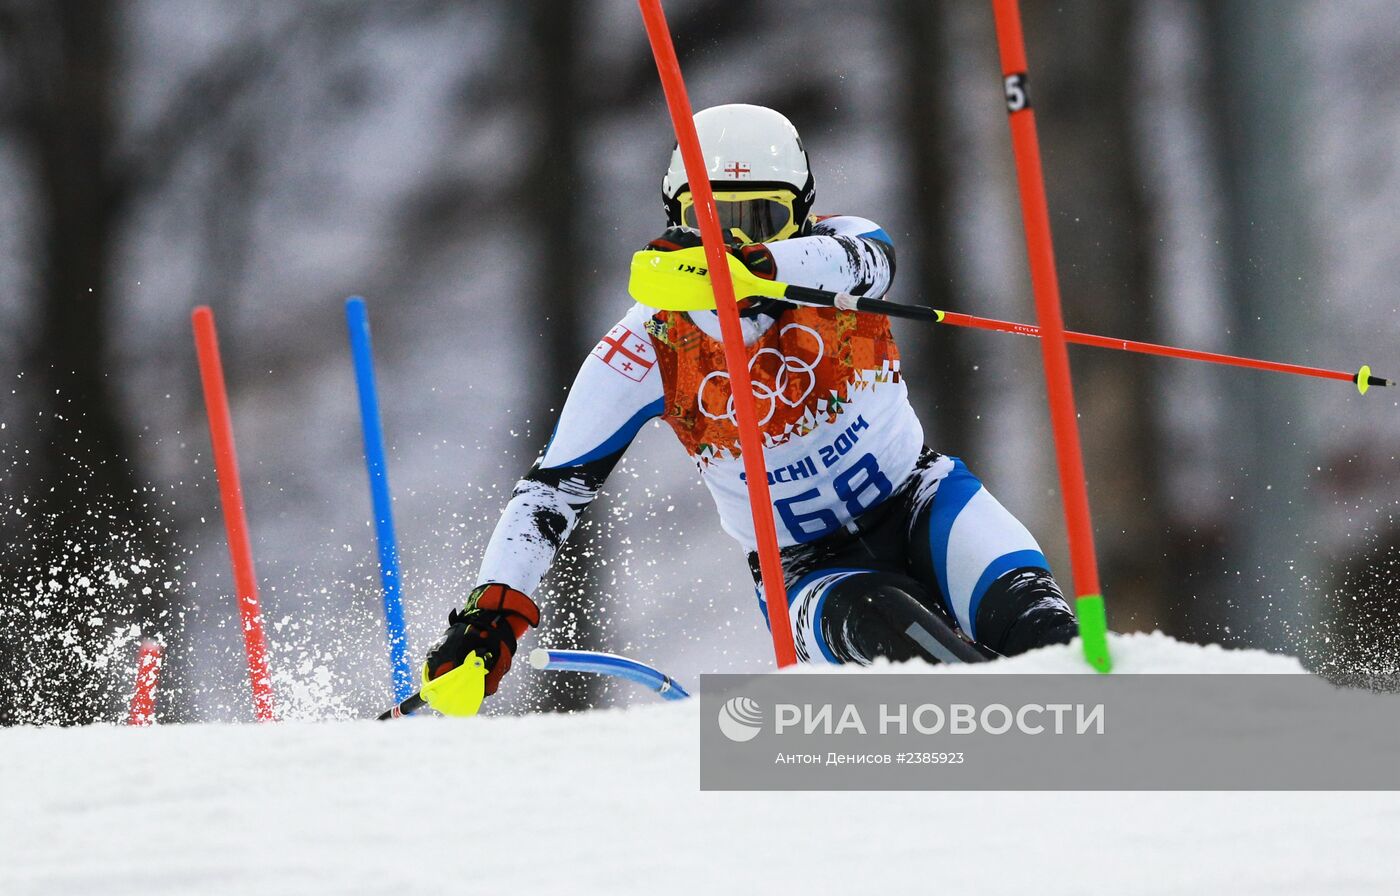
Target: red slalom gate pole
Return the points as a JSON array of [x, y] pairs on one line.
[[240, 548], [1069, 456], [735, 355], [143, 700]]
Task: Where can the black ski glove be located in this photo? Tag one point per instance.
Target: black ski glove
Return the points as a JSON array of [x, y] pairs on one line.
[[754, 256], [757, 259], [491, 624], [675, 238]]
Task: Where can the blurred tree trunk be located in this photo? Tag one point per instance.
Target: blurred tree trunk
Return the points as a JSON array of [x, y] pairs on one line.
[[1082, 67], [1257, 68], [574, 604], [88, 513], [938, 363]]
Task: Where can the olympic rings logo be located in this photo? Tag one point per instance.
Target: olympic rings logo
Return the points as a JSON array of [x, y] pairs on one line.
[[785, 366]]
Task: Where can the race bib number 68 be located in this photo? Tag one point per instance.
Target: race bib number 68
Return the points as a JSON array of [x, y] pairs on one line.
[[809, 515]]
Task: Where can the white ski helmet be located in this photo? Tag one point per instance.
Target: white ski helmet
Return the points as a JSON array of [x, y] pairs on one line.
[[750, 152]]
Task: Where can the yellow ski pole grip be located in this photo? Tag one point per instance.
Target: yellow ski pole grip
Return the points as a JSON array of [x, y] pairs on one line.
[[458, 692], [680, 280]]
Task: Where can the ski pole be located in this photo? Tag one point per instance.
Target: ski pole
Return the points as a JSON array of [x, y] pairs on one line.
[[608, 664], [673, 284], [1362, 378], [593, 661], [406, 706]]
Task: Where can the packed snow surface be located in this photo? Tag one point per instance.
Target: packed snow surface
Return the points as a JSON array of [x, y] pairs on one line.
[[608, 802]]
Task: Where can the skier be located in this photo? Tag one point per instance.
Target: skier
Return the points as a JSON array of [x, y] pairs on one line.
[[868, 518]]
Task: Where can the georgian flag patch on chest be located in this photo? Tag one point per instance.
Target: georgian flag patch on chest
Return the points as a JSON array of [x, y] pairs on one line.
[[626, 352]]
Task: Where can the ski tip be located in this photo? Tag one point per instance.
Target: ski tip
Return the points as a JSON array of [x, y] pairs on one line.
[[539, 658]]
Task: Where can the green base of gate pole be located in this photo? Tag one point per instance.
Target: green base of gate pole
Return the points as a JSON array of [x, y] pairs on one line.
[[1093, 631]]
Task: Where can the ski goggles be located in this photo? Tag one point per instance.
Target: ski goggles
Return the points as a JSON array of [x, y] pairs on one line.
[[754, 216]]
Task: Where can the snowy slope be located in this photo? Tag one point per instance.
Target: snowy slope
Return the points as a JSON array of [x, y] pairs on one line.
[[607, 802]]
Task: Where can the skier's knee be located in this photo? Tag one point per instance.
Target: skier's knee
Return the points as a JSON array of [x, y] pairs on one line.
[[852, 628], [1022, 610]]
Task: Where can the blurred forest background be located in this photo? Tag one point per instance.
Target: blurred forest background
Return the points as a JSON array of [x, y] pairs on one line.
[[1222, 175]]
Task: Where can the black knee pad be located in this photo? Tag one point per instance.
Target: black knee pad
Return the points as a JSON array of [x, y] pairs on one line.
[[1022, 610]]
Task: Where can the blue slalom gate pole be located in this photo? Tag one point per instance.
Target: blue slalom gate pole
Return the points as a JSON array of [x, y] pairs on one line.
[[608, 664], [357, 320]]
